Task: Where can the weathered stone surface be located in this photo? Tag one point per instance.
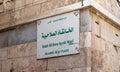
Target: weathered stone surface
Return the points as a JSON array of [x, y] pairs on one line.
[[104, 56], [37, 65], [23, 34], [3, 26], [3, 54], [111, 6], [6, 65], [110, 33], [27, 33], [22, 50], [16, 16], [12, 52], [51, 4], [3, 39], [96, 24], [29, 64], [85, 40], [13, 40], [30, 11], [5, 18], [21, 65], [26, 49], [19, 3], [66, 62], [1, 8], [9, 5], [85, 21], [105, 30]]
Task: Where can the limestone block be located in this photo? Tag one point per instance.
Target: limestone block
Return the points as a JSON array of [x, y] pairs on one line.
[[37, 65], [3, 53], [104, 56], [7, 65], [12, 52], [95, 24], [4, 18], [23, 34], [23, 50], [98, 43], [51, 4], [21, 65], [71, 61], [3, 39], [111, 6], [110, 33], [26, 33], [3, 26], [1, 8], [85, 21], [15, 16], [8, 5], [85, 40], [30, 11], [26, 49], [19, 4]]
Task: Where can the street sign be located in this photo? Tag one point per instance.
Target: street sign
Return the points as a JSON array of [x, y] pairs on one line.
[[58, 35]]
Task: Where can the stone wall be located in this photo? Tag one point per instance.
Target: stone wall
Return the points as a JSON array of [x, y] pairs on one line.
[[99, 41], [18, 35], [111, 5], [105, 45], [22, 57], [22, 10]]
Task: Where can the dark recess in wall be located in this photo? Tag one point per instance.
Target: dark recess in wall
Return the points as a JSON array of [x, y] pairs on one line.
[[18, 35]]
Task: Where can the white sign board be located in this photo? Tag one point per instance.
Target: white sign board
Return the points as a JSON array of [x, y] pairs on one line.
[[58, 35]]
